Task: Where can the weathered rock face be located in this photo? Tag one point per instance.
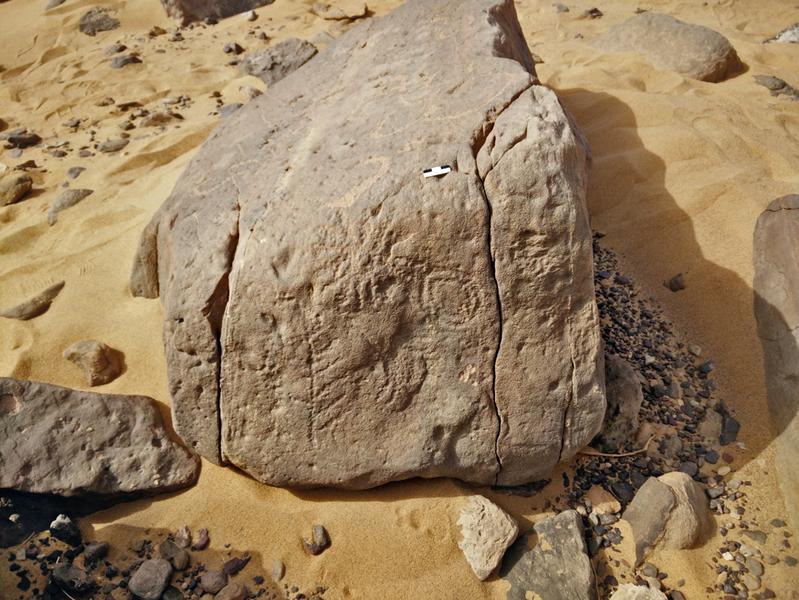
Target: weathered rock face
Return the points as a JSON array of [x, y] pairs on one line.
[[187, 11], [624, 397], [60, 441], [487, 532], [669, 43], [275, 62], [776, 287], [346, 321]]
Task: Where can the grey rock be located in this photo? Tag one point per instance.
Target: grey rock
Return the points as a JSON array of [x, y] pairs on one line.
[[74, 172], [150, 579], [676, 283], [213, 581], [15, 188], [556, 568], [95, 551], [96, 20], [756, 535], [172, 593], [100, 363], [340, 9], [36, 306], [72, 579], [275, 62], [183, 537], [59, 441], [629, 591], [487, 531], [624, 398], [115, 48], [54, 4], [789, 35], [156, 119], [278, 569], [176, 555], [123, 60], [232, 591], [777, 86], [374, 325], [113, 145], [669, 43], [65, 529], [22, 139], [186, 11], [319, 542], [66, 199], [228, 109]]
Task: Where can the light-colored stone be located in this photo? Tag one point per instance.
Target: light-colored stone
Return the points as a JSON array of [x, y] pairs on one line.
[[624, 397], [340, 9], [602, 501], [275, 62], [100, 363], [350, 322], [55, 440], [629, 591], [668, 43], [36, 306], [14, 188], [186, 11], [486, 531], [151, 578], [66, 199], [776, 289], [789, 35]]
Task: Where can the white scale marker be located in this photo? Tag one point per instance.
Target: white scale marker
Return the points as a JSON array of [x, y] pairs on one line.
[[437, 171]]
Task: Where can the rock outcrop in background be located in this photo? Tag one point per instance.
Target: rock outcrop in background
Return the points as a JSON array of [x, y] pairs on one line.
[[334, 318], [776, 287], [186, 11]]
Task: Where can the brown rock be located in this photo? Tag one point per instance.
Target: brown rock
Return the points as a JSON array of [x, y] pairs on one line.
[[15, 188], [59, 441], [66, 199], [669, 43], [373, 324], [99, 363], [36, 306], [232, 591], [487, 531]]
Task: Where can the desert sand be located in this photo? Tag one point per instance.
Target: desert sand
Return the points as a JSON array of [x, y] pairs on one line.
[[681, 170]]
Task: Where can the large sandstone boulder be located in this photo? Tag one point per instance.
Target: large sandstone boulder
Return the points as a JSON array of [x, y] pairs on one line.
[[186, 11], [55, 440], [334, 318], [668, 43], [776, 287]]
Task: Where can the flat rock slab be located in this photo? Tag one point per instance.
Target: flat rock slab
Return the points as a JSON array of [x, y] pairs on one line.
[[487, 532], [186, 11], [38, 305], [668, 43], [351, 322], [56, 440], [776, 287], [556, 568], [275, 62]]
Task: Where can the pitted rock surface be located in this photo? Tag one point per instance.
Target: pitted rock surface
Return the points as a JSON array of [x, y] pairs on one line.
[[346, 321]]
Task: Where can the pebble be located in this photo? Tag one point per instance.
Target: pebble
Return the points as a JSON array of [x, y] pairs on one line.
[[72, 579], [725, 470], [250, 15], [319, 542], [756, 535], [278, 570], [755, 566], [64, 529], [123, 60], [593, 13], [95, 551], [232, 48], [778, 523], [213, 581], [183, 537], [676, 283], [202, 541], [235, 564], [113, 145]]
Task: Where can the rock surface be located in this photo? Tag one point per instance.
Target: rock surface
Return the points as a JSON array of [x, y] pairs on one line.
[[36, 306], [557, 567], [350, 322], [60, 441], [14, 188], [100, 363], [187, 11], [275, 62], [671, 510], [669, 43], [96, 20], [629, 591], [340, 9], [487, 532], [150, 579], [777, 86], [624, 397], [776, 288], [66, 199]]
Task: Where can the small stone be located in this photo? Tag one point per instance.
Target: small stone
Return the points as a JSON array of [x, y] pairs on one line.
[[755, 566], [23, 139], [67, 199], [156, 118], [228, 109], [72, 579], [115, 49], [100, 363], [790, 561], [172, 593], [123, 60], [155, 31], [54, 4], [213, 581], [602, 502], [695, 350], [95, 552], [34, 307], [561, 8], [778, 523], [676, 283], [724, 470], [689, 468], [592, 13], [232, 591], [150, 579], [64, 529], [649, 570], [278, 570], [235, 564], [202, 541], [319, 542], [275, 62], [487, 532], [340, 9], [14, 189], [751, 582], [757, 536], [113, 145], [176, 555], [232, 48], [74, 172], [183, 537], [251, 15], [96, 20], [790, 35]]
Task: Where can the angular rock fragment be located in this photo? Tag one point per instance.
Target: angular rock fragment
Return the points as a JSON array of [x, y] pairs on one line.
[[671, 510], [96, 20], [319, 542], [668, 43], [63, 528], [14, 188], [487, 532], [349, 322], [789, 35], [777, 86], [340, 9], [66, 199], [275, 62], [186, 11], [36, 306], [71, 579], [100, 363], [59, 441], [556, 567], [629, 591], [95, 552], [176, 555], [776, 290], [150, 579], [624, 398], [123, 60]]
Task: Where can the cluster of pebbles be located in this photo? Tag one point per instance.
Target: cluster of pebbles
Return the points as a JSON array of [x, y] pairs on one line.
[[61, 566]]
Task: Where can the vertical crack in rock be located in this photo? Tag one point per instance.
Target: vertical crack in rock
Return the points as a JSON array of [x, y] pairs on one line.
[[214, 312]]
